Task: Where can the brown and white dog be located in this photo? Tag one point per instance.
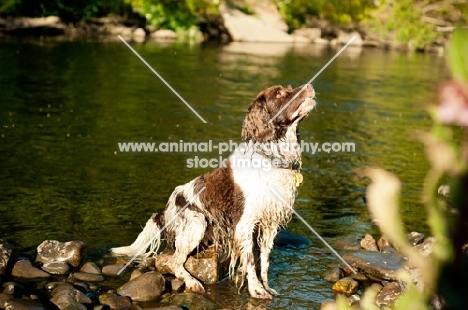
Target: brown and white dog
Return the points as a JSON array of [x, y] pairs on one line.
[[236, 206]]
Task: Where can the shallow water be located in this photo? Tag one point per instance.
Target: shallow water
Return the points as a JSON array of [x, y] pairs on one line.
[[64, 106]]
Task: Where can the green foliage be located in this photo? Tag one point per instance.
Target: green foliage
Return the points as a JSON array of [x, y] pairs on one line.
[[173, 14], [68, 10], [297, 13]]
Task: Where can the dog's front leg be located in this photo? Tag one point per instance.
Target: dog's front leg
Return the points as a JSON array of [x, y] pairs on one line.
[[244, 238], [266, 245]]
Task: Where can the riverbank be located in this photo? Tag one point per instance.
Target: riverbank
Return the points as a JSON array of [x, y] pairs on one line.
[[263, 23]]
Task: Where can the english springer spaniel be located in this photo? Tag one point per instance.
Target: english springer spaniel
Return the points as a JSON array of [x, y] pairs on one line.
[[236, 207]]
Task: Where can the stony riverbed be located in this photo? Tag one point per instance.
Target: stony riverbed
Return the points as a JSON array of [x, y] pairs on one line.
[[60, 276]]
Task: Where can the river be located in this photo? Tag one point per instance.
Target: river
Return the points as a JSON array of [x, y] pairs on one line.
[[65, 106]]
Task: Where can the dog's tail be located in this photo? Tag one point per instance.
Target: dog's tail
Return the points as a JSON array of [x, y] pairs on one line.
[[147, 242]]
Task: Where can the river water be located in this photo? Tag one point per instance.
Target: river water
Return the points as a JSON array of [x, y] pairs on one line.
[[65, 106]]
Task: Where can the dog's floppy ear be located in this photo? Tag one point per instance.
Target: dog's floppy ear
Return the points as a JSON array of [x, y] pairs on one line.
[[256, 125]]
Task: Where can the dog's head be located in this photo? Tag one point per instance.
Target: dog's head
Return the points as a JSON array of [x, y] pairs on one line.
[[263, 123]]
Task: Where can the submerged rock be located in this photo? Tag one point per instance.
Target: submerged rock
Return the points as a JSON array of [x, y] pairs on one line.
[[147, 287], [113, 270], [118, 303], [90, 267], [286, 239], [190, 301], [23, 269], [348, 244], [71, 252], [5, 253], [376, 265]]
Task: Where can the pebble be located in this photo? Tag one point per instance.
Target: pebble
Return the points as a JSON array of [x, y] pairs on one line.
[[368, 243], [388, 294], [348, 244], [346, 285], [376, 287], [88, 277], [135, 273], [90, 267], [112, 270], [23, 269], [5, 253], [425, 248], [177, 285], [71, 297], [147, 287], [333, 274], [60, 268], [4, 297], [353, 300], [13, 288], [71, 252], [118, 303], [22, 304], [415, 238]]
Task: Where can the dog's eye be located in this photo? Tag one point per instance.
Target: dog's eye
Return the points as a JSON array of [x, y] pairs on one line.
[[281, 93]]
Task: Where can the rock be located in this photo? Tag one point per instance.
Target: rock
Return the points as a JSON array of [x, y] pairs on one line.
[[333, 274], [444, 190], [190, 301], [247, 28], [22, 304], [147, 287], [415, 238], [164, 34], [23, 269], [13, 288], [310, 33], [353, 299], [71, 252], [139, 33], [388, 294], [70, 298], [384, 245], [103, 297], [376, 287], [118, 303], [348, 244], [359, 277], [90, 267], [177, 284], [368, 243], [204, 266], [101, 307], [56, 268], [88, 277], [425, 248], [5, 253], [376, 265], [268, 13], [344, 37], [286, 239], [3, 298], [346, 286], [61, 287], [135, 273], [112, 270], [322, 41]]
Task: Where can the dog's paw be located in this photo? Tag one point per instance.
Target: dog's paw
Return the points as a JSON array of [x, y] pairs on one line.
[[259, 292], [194, 286], [271, 291]]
